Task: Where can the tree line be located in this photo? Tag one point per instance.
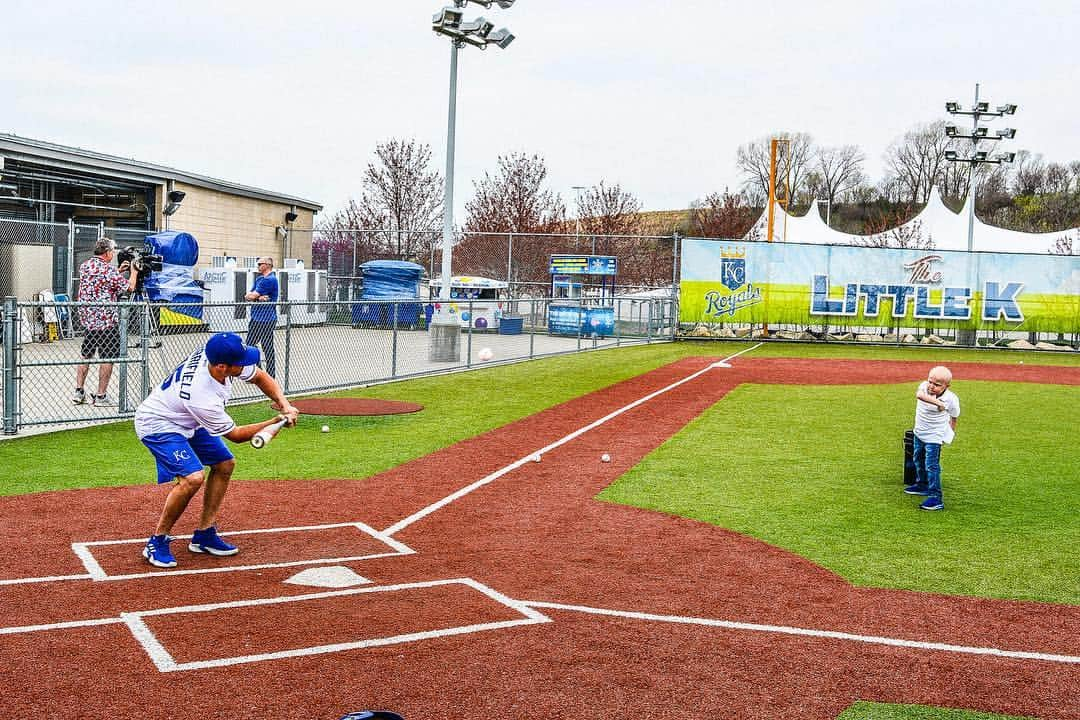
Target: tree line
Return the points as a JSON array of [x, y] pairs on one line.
[[401, 200]]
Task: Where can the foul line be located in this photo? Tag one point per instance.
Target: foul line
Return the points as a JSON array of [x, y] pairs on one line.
[[831, 634], [402, 524]]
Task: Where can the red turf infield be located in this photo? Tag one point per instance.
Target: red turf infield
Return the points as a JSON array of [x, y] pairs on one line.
[[534, 535]]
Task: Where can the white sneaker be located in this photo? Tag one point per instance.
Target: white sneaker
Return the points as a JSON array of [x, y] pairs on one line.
[[103, 401], [79, 398]]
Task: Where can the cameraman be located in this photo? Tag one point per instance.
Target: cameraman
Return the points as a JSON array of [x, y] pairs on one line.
[[100, 282]]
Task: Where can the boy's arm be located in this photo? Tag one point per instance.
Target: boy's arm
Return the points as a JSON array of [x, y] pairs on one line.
[[928, 398]]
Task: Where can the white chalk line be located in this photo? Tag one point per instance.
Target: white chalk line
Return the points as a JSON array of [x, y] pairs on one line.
[[808, 632], [165, 662], [527, 458], [95, 572]]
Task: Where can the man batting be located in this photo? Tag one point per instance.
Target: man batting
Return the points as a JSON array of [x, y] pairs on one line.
[[182, 422]]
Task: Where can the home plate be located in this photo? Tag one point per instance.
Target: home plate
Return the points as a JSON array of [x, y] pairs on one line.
[[335, 576]]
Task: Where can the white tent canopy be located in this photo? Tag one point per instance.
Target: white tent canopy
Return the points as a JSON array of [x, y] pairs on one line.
[[937, 223]]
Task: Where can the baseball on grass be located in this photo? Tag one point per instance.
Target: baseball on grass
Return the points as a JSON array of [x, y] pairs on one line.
[[485, 354], [326, 428], [605, 458]]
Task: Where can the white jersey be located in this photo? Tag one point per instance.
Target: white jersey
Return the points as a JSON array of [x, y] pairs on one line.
[[932, 425], [190, 398]]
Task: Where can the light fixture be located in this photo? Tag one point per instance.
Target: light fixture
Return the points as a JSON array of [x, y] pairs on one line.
[[981, 107], [1009, 109], [448, 18], [952, 107], [1007, 157], [1006, 133], [480, 26], [950, 131], [174, 197], [980, 132], [501, 37], [950, 155], [291, 216], [979, 156]]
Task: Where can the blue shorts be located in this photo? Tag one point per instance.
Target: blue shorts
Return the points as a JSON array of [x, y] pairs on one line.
[[178, 456]]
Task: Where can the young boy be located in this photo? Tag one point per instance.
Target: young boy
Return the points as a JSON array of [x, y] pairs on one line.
[[936, 411]]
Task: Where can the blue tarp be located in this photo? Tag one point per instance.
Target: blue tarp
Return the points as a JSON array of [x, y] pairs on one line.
[[391, 280], [175, 248], [175, 281]]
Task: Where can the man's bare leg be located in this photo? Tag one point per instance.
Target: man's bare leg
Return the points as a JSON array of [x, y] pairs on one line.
[[217, 483], [178, 499]]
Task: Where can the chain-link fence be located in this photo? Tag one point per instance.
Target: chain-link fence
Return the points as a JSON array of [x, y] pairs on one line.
[[522, 260], [316, 346]]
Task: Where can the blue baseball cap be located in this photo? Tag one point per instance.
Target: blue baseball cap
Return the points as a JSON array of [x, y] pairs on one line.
[[229, 349]]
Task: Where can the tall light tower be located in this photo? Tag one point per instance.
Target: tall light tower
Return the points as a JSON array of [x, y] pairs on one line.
[[445, 329], [577, 223], [978, 134]]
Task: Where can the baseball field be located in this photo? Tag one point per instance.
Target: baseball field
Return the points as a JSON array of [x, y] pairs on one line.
[[745, 551]]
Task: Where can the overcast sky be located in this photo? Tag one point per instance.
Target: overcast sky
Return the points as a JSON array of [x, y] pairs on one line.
[[655, 96]]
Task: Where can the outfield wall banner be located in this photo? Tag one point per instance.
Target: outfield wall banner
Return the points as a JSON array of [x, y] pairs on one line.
[[785, 283]]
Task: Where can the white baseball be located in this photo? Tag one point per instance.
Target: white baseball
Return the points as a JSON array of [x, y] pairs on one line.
[[485, 354], [326, 428], [536, 458], [605, 458]]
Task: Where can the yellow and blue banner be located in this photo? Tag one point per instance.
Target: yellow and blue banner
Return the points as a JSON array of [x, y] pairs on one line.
[[741, 282]]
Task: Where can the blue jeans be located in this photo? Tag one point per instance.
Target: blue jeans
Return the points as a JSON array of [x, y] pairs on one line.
[[927, 458]]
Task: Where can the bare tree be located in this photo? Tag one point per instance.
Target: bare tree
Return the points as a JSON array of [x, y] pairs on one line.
[[917, 159], [839, 170], [609, 211], [403, 195], [792, 165], [514, 200], [892, 230], [722, 215]]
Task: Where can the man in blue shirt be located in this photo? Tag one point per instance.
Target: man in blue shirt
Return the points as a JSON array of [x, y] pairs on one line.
[[264, 293]]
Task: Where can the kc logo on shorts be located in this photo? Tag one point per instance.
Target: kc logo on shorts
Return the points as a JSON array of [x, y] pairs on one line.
[[180, 455]]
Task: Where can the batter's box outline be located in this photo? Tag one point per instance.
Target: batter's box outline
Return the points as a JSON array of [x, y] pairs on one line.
[[95, 572], [165, 662]]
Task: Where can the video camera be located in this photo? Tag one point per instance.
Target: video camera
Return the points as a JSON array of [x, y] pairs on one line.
[[142, 261]]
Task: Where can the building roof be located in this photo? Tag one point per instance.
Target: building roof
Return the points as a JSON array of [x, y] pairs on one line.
[[73, 158]]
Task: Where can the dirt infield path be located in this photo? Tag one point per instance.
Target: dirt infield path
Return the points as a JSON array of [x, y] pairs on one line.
[[523, 597]]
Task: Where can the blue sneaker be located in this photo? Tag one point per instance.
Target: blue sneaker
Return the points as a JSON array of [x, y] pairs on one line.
[[917, 490], [208, 541], [932, 503], [157, 551]]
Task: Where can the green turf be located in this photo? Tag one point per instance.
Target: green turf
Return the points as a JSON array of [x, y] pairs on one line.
[[1011, 509], [882, 711], [818, 471]]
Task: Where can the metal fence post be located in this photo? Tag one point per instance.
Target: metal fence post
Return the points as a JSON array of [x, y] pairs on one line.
[[288, 344], [393, 350], [532, 327], [144, 339], [69, 281], [468, 340], [122, 395], [11, 341], [509, 259], [648, 323]]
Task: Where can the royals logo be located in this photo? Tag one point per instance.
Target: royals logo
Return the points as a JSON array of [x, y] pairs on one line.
[[733, 277], [733, 268]]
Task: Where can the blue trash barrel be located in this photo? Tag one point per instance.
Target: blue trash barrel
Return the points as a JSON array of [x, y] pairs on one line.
[[509, 325]]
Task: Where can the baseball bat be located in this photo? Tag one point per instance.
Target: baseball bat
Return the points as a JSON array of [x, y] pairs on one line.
[[261, 438]]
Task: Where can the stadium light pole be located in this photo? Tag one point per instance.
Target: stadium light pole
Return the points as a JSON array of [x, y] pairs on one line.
[[445, 330], [978, 133], [577, 221]]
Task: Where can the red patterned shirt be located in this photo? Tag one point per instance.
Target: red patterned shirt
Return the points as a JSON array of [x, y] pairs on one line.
[[99, 282]]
